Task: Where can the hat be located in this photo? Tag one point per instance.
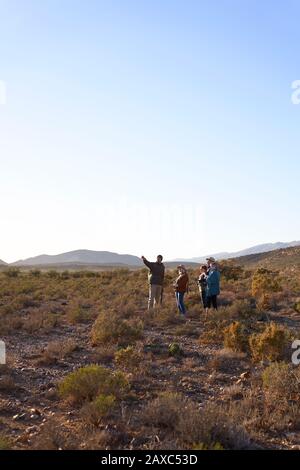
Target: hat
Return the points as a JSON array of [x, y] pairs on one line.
[[211, 259], [181, 266]]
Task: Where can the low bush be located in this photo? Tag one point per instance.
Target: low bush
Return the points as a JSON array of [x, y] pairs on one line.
[[12, 272], [165, 410], [206, 427], [128, 359], [236, 337], [110, 329], [55, 351], [281, 382], [242, 310], [35, 272], [175, 350], [164, 316], [213, 446], [78, 312], [5, 443], [265, 281], [93, 412], [297, 307], [271, 344], [186, 330], [85, 383]]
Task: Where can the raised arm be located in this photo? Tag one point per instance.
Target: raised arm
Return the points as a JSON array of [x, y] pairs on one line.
[[146, 262]]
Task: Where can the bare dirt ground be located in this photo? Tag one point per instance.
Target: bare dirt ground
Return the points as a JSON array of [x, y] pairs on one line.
[[33, 402]]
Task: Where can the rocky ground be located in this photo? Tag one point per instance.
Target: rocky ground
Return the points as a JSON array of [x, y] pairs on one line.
[[32, 415]]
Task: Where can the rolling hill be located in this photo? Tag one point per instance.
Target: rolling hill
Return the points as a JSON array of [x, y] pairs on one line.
[[267, 253], [276, 259], [81, 257], [263, 248]]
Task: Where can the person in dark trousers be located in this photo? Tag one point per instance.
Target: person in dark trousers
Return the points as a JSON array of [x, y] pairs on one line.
[[181, 287], [202, 283], [213, 287], [156, 280]]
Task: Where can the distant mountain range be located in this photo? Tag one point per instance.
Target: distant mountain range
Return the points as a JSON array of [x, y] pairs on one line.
[[81, 257], [107, 258], [264, 248], [274, 260]]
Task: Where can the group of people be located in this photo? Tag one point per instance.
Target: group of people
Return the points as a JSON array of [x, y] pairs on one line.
[[208, 283]]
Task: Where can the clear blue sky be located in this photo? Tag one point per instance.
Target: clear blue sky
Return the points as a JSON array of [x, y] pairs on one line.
[[148, 126]]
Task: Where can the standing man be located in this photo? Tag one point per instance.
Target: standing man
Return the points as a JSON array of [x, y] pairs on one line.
[[156, 280]]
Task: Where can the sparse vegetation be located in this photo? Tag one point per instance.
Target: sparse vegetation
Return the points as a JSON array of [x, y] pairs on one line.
[[175, 350], [110, 328], [272, 344], [93, 412], [281, 382], [112, 375], [208, 426], [236, 337], [56, 351], [5, 443], [128, 358], [86, 383]]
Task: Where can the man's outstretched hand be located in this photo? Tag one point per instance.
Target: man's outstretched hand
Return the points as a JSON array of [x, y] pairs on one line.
[[143, 258]]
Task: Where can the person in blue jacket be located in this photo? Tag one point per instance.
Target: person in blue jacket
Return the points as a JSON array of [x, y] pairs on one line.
[[213, 286]]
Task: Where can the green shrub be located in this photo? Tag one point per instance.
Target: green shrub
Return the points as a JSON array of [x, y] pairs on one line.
[[110, 329], [230, 271], [210, 427], [281, 381], [5, 443], [85, 383], [35, 272], [297, 307], [175, 350], [78, 313], [265, 281], [203, 446], [128, 358], [271, 344], [265, 302], [236, 337], [65, 274], [241, 310], [52, 274], [93, 412], [165, 410], [12, 272], [164, 316]]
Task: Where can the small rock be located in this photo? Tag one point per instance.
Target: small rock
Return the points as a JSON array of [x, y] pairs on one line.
[[19, 416], [23, 439], [34, 417], [245, 375], [31, 429]]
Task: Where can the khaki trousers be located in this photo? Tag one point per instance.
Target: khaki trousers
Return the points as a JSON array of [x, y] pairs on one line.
[[154, 295]]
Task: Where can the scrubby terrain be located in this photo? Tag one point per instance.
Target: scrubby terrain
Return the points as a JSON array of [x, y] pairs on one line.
[[89, 367]]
